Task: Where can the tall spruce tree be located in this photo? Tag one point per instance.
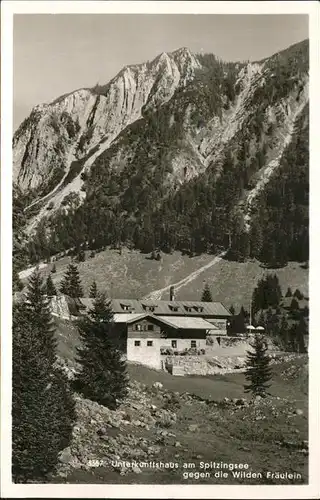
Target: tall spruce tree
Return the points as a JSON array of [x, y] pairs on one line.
[[238, 322], [93, 290], [71, 284], [206, 294], [298, 295], [284, 336], [297, 336], [42, 405], [103, 374], [258, 371], [50, 288], [289, 292]]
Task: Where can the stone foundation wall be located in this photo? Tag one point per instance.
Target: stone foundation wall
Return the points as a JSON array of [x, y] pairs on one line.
[[199, 365]]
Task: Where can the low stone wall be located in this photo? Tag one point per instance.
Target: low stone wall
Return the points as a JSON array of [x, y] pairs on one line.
[[198, 365]]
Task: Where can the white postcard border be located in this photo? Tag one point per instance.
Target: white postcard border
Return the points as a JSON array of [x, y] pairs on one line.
[[8, 489]]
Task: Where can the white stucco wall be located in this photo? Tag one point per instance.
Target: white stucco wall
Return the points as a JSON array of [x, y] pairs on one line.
[[183, 343], [149, 356]]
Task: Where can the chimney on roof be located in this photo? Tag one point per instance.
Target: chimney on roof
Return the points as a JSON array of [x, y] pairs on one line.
[[171, 293]]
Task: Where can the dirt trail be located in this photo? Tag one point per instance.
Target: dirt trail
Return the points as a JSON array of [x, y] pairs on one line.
[[157, 294]]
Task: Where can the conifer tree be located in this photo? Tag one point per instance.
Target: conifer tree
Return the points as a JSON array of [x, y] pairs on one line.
[[50, 288], [262, 319], [294, 306], [103, 373], [93, 290], [232, 310], [298, 295], [206, 294], [258, 371], [297, 334], [289, 292], [71, 284], [241, 321], [284, 333], [42, 405]]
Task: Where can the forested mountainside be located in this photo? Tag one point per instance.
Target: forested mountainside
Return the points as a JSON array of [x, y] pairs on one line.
[[184, 152]]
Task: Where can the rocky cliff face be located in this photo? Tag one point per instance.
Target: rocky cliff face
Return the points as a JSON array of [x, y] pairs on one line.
[[74, 125], [173, 119]]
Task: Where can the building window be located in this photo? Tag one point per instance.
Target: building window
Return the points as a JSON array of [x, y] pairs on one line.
[[127, 307], [149, 343], [174, 344], [174, 308], [138, 328], [137, 343], [193, 343], [150, 327], [147, 307]]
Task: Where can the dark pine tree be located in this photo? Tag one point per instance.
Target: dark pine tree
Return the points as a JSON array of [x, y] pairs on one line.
[[298, 295], [81, 255], [258, 371], [297, 336], [71, 284], [93, 290], [50, 288], [294, 306], [289, 292], [42, 405], [206, 294], [284, 335], [103, 373]]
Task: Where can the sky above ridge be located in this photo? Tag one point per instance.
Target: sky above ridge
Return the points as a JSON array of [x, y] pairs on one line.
[[56, 53]]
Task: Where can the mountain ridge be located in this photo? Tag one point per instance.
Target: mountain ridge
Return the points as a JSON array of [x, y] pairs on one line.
[[162, 126]]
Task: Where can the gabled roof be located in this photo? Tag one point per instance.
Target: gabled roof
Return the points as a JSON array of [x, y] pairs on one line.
[[128, 318], [166, 307], [163, 307], [187, 323], [176, 322]]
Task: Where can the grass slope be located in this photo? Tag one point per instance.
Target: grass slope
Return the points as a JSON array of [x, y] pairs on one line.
[[268, 436], [133, 275]]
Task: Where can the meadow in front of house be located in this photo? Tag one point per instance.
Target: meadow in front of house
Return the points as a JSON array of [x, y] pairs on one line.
[[189, 420], [194, 420]]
